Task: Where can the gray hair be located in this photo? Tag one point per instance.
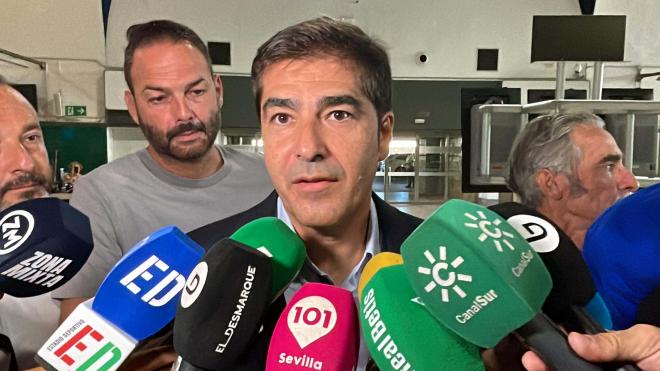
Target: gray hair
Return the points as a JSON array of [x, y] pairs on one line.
[[544, 143]]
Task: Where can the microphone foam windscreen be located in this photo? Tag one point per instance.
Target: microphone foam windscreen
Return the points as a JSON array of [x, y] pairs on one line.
[[622, 250], [400, 332], [571, 280], [474, 272], [140, 294], [85, 341], [274, 238], [44, 243], [380, 260], [318, 330], [222, 305]]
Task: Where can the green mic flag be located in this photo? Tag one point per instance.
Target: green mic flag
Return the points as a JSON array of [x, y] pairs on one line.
[[401, 334], [469, 266], [275, 239]]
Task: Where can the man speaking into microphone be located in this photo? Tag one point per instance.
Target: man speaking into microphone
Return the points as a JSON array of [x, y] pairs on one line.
[[24, 174], [323, 96]]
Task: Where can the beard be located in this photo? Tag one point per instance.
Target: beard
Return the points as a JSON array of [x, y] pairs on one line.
[[162, 142], [42, 180]]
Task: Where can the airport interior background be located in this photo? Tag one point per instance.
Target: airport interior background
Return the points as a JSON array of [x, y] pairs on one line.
[[467, 76]]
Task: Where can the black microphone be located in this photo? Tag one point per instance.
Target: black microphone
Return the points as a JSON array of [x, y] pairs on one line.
[[233, 293], [572, 286], [44, 243], [648, 310]]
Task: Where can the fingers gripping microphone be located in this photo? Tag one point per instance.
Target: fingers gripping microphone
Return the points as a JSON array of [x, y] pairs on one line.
[[44, 242], [137, 298], [622, 251], [400, 333], [481, 279], [229, 292], [573, 290], [318, 330]]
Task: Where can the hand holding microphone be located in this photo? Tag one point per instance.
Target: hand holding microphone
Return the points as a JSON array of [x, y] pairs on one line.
[[639, 344]]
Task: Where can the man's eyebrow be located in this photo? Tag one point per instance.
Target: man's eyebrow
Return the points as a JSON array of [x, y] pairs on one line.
[[277, 102], [164, 90], [32, 126], [337, 100], [190, 85], [611, 158]]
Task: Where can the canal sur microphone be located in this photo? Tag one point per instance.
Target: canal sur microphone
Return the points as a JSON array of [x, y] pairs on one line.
[[43, 243], [399, 331], [317, 330], [622, 251], [481, 279], [573, 301], [232, 293]]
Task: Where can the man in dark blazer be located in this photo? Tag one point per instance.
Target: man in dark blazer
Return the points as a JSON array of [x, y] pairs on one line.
[[323, 97]]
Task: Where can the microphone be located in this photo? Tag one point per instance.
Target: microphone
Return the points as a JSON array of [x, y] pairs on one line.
[[86, 341], [317, 330], [44, 243], [228, 295], [481, 279], [136, 299], [399, 331], [573, 300], [622, 253], [648, 310]]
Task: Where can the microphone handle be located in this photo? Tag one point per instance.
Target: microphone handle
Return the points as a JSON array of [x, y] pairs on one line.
[[588, 323], [550, 343]]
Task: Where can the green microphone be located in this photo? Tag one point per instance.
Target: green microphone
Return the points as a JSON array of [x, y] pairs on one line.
[[399, 332], [481, 279], [276, 240]]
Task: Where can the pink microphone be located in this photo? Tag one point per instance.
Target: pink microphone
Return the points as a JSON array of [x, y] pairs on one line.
[[318, 330]]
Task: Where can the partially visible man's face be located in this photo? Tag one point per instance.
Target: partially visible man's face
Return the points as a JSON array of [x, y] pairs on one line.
[[321, 139], [601, 173], [24, 169], [176, 101]]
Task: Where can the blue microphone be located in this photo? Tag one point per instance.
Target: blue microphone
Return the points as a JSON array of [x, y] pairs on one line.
[[622, 251]]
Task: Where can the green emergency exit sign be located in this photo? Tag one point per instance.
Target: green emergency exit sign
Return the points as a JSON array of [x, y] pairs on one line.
[[75, 110]]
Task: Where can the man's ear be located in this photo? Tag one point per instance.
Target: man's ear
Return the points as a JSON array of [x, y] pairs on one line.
[[218, 89], [385, 132], [553, 185], [129, 99]]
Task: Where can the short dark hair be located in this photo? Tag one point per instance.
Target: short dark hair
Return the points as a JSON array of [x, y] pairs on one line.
[[327, 37], [3, 81], [144, 34]]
